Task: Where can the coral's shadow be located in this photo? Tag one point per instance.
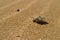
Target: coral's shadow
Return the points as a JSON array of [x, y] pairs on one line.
[[41, 22]]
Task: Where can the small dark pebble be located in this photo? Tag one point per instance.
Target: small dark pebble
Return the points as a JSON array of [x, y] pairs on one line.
[[17, 36], [18, 10]]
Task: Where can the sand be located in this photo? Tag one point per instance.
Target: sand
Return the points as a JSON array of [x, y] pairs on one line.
[[18, 25]]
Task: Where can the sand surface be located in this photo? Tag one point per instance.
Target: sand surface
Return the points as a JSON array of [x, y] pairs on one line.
[[19, 25]]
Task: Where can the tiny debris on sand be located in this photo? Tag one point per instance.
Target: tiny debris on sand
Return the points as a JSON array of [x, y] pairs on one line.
[[18, 10], [39, 20]]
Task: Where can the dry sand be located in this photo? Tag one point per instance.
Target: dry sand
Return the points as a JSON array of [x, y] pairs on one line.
[[19, 25]]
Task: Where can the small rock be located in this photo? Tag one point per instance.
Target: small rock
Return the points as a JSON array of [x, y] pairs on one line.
[[17, 36], [18, 10], [39, 20]]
